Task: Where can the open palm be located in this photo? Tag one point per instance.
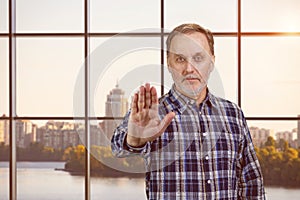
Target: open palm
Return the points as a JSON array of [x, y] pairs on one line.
[[144, 122]]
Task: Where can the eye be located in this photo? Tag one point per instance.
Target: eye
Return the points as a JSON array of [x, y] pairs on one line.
[[180, 59], [198, 58]]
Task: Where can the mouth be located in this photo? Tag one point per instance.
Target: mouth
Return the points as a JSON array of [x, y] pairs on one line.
[[191, 79]]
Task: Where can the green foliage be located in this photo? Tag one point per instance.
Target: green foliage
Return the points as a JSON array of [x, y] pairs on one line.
[[103, 163], [280, 164], [34, 152]]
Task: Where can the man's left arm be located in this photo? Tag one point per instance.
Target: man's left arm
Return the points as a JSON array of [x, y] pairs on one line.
[[251, 178]]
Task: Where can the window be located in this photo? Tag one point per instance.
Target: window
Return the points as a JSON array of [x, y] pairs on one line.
[[61, 64]]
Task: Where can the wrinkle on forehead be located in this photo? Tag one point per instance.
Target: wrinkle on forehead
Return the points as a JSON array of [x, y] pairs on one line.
[[190, 44]]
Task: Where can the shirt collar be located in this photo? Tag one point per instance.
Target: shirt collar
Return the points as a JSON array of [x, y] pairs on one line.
[[181, 101]]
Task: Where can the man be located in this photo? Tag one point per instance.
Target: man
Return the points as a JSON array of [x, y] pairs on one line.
[[195, 145]]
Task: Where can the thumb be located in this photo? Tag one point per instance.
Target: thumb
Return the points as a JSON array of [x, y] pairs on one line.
[[166, 122], [163, 125]]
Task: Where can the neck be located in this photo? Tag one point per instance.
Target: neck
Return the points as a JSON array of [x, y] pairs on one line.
[[201, 96], [199, 99]]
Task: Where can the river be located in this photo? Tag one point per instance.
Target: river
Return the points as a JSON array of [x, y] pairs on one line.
[[39, 181]]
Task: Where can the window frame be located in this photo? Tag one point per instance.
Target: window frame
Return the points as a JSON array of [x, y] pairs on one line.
[[12, 116]]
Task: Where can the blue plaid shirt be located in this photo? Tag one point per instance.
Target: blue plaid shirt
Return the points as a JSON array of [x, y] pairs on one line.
[[205, 153]]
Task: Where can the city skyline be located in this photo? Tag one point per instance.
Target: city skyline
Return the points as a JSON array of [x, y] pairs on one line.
[[61, 134], [266, 82]]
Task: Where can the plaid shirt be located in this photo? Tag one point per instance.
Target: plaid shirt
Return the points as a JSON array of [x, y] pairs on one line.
[[205, 153]]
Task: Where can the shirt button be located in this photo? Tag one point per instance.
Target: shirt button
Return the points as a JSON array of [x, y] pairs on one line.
[[204, 134], [208, 181], [200, 112], [206, 157]]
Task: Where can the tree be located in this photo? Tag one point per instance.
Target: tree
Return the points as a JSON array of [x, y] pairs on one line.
[[270, 142]]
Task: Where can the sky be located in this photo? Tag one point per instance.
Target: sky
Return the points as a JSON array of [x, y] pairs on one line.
[[48, 68]]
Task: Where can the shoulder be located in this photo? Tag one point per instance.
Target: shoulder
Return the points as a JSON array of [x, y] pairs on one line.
[[227, 107], [166, 103]]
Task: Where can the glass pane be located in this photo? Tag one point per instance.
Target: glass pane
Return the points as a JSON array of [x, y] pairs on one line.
[[225, 68], [223, 79], [124, 15], [122, 64], [270, 76], [260, 130], [47, 70], [4, 109], [49, 16], [109, 172], [4, 159], [271, 15], [278, 156], [216, 15], [51, 151], [3, 16]]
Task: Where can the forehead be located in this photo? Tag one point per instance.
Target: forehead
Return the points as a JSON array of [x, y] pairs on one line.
[[189, 44]]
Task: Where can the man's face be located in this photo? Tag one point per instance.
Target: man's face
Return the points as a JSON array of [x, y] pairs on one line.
[[190, 63]]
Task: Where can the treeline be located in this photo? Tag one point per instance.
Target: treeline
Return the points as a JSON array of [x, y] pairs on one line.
[[34, 152], [102, 163], [280, 163]]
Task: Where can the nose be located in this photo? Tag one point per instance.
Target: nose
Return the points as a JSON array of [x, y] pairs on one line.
[[189, 67]]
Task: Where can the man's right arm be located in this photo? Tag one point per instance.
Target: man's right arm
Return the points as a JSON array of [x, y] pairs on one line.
[[119, 145]]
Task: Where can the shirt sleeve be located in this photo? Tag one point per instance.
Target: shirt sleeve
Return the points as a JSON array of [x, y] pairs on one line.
[[119, 146], [251, 179]]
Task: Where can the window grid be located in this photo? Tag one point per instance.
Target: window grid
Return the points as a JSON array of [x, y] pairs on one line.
[[12, 35]]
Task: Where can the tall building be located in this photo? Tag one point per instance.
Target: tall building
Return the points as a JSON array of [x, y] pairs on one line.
[[59, 135], [289, 136], [25, 132], [260, 135], [4, 131], [116, 106]]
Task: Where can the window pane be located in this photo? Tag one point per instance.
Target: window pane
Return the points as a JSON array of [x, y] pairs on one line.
[[47, 70], [4, 159], [134, 61], [271, 15], [223, 81], [3, 16], [260, 130], [124, 15], [270, 76], [278, 156], [216, 15], [44, 156], [4, 109], [49, 16], [109, 172]]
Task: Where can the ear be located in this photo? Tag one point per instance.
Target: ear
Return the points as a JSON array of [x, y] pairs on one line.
[[212, 64], [213, 59]]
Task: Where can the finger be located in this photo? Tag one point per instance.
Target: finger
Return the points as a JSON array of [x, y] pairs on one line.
[[153, 93], [134, 107], [147, 96], [141, 99]]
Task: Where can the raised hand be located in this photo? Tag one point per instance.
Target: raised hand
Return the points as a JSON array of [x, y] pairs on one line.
[[144, 123]]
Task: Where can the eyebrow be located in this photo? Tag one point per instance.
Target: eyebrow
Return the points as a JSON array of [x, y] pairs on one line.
[[196, 54]]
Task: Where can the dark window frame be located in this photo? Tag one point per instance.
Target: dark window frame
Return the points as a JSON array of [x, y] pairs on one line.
[[12, 117]]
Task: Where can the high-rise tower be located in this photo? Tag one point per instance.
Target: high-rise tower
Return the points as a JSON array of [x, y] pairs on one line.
[[116, 106]]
